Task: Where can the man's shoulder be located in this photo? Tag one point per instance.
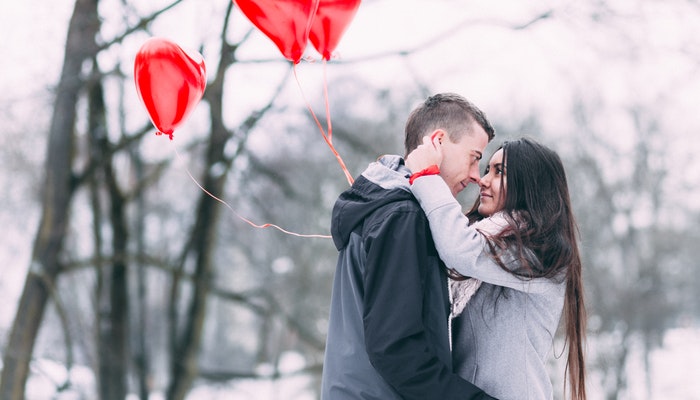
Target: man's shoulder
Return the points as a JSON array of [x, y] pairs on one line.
[[404, 214], [400, 206]]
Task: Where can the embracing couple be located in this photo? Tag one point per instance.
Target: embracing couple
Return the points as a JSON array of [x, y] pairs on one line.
[[432, 303]]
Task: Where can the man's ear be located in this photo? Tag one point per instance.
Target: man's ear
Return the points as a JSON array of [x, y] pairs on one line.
[[438, 135]]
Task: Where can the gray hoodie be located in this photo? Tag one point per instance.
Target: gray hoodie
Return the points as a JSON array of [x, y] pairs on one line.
[[387, 334]]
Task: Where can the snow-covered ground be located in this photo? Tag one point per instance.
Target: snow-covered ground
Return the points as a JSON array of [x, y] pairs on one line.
[[675, 369], [675, 374]]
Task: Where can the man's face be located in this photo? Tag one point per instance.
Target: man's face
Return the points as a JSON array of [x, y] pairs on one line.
[[460, 162]]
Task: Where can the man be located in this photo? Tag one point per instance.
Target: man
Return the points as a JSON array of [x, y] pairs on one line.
[[388, 330]]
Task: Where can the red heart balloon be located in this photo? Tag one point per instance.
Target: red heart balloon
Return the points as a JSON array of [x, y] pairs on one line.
[[285, 22], [330, 22], [169, 82]]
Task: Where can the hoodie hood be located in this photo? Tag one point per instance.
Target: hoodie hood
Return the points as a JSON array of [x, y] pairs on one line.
[[384, 181]]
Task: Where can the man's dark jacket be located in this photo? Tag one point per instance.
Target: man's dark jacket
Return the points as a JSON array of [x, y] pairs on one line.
[[387, 334]]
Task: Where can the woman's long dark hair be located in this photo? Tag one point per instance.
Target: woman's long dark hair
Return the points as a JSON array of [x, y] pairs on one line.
[[538, 208]]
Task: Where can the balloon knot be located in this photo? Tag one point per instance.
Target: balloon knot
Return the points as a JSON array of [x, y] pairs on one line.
[[170, 135]]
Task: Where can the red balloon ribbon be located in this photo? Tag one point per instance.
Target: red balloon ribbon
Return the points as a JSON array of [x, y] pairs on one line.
[[328, 137], [244, 219], [169, 82], [285, 22], [291, 23], [330, 22]]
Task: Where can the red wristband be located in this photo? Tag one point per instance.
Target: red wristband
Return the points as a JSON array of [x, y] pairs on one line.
[[431, 170]]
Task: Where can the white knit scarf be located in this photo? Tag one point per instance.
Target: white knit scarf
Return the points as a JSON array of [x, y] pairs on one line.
[[462, 291]]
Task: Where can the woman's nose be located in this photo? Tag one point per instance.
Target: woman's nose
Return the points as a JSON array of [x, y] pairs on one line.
[[483, 181]]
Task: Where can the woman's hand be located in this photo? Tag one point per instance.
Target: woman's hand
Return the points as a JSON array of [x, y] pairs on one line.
[[427, 154]]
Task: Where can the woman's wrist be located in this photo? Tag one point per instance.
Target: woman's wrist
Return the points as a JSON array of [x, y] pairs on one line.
[[431, 170]]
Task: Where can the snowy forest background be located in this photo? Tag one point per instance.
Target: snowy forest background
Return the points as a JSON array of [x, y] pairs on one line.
[[120, 278]]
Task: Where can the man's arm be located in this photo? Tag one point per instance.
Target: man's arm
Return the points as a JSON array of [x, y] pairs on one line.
[[395, 335]]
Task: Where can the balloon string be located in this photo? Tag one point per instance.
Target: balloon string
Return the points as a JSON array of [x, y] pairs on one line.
[[249, 222], [325, 97], [326, 137]]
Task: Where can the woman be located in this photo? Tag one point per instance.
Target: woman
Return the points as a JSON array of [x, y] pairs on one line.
[[519, 247]]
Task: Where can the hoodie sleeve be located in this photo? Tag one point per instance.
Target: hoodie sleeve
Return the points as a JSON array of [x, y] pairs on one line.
[[396, 338], [461, 247]]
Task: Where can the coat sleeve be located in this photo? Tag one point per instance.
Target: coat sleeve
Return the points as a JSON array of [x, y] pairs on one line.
[[395, 335], [461, 247]]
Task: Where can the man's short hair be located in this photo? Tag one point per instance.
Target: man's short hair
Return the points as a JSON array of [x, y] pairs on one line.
[[447, 111]]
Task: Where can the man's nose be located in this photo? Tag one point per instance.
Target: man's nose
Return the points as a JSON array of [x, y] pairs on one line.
[[474, 176]]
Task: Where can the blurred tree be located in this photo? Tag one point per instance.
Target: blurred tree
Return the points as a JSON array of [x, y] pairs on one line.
[[630, 243], [58, 192], [125, 195]]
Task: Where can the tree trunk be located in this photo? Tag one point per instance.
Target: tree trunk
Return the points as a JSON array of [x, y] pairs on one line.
[[140, 350], [112, 315], [58, 192], [184, 356], [186, 345]]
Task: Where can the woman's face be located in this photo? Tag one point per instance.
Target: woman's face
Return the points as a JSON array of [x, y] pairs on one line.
[[492, 196]]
